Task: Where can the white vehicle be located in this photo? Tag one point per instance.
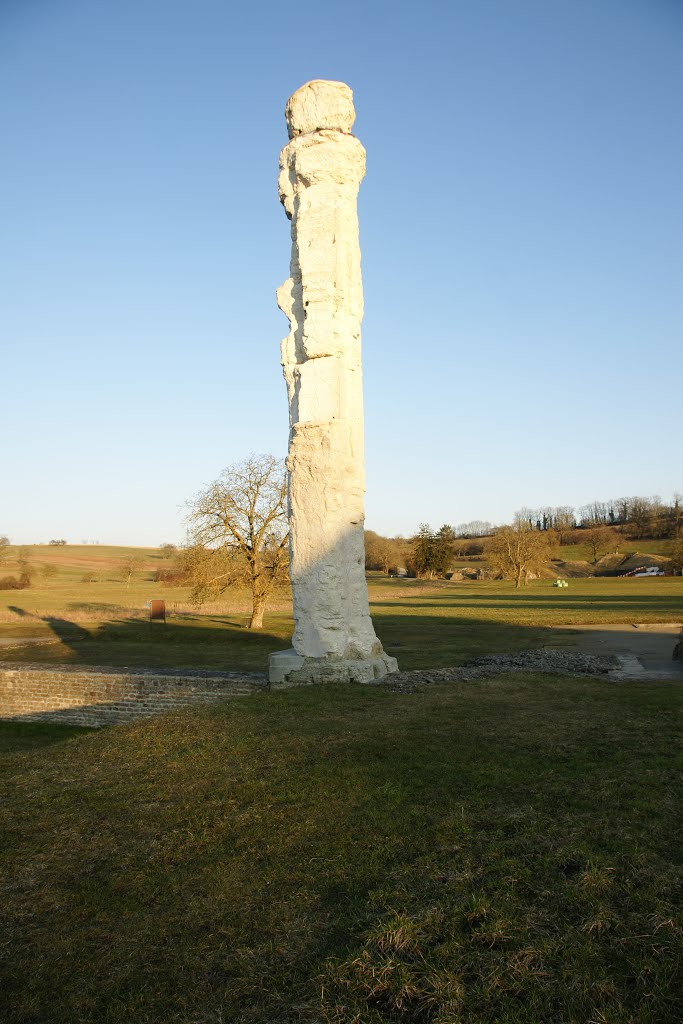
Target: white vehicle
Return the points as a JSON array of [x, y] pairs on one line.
[[652, 571]]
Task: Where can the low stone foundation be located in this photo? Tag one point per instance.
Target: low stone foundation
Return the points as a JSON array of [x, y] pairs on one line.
[[287, 669], [75, 695]]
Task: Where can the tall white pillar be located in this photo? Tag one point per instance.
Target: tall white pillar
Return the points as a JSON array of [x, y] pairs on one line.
[[320, 172]]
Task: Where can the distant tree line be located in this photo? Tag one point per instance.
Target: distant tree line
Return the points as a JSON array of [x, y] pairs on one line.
[[428, 554], [238, 537], [641, 517], [518, 551], [476, 528]]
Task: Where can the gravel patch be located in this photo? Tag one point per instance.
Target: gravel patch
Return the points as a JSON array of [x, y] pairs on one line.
[[556, 662]]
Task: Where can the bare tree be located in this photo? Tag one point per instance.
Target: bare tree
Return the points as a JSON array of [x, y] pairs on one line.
[[564, 523], [518, 551], [476, 528], [238, 532], [676, 516], [676, 554], [641, 517], [374, 550], [601, 540], [528, 516], [128, 566], [26, 570], [385, 553]]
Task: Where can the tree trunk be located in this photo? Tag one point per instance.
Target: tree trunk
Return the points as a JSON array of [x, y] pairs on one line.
[[258, 608]]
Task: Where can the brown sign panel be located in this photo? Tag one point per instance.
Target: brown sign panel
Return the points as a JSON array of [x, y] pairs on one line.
[[157, 611]]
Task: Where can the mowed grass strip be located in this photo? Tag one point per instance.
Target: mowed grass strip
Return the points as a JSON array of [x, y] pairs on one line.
[[425, 624], [505, 852]]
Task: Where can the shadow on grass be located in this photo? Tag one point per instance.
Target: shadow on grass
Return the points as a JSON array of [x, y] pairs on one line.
[[219, 642], [222, 642], [65, 630], [96, 607], [649, 602], [269, 861], [437, 641], [18, 737]]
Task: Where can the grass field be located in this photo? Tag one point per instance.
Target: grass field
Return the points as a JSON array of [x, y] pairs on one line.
[[68, 588], [505, 852], [584, 552], [424, 624]]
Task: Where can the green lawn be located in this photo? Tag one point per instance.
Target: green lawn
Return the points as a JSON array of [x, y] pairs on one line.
[[424, 624], [505, 852]]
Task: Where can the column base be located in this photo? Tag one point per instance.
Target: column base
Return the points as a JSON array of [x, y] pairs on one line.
[[287, 668]]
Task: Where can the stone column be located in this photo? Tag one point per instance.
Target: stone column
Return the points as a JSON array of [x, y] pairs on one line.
[[320, 171]]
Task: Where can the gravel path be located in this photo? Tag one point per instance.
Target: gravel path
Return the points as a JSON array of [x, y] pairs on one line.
[[557, 662]]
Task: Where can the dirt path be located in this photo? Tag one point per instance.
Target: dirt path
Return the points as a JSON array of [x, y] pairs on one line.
[[643, 648]]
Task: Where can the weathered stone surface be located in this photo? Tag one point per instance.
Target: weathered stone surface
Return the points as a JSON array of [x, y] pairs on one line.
[[320, 172], [282, 664], [294, 670], [320, 104], [95, 696]]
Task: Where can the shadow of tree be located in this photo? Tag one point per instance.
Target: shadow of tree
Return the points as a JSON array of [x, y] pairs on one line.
[[649, 601], [218, 642], [66, 630], [423, 624], [437, 641], [221, 642], [17, 737]]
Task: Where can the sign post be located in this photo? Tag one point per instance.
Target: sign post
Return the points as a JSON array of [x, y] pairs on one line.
[[157, 611]]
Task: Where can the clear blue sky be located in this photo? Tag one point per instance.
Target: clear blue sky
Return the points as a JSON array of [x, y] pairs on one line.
[[521, 228]]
